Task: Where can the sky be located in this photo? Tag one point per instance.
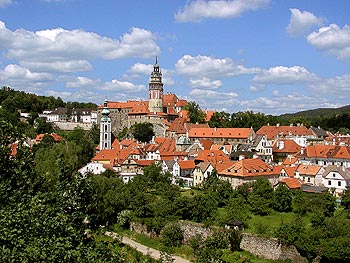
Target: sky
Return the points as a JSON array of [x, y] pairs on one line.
[[269, 56]]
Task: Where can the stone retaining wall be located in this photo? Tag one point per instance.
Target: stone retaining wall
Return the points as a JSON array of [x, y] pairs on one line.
[[264, 247]]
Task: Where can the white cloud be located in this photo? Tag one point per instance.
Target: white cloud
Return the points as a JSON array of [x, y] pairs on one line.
[[4, 3], [301, 22], [69, 47], [332, 40], [122, 86], [80, 82], [285, 75], [58, 66], [139, 69], [198, 10], [338, 86], [205, 83], [210, 94], [205, 66], [15, 73]]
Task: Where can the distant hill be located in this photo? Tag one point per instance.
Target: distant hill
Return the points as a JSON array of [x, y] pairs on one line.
[[324, 112]]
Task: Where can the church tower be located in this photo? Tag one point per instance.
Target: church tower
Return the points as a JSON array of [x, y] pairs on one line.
[[155, 100], [105, 128]]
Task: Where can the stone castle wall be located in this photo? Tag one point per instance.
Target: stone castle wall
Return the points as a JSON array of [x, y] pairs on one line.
[[69, 126]]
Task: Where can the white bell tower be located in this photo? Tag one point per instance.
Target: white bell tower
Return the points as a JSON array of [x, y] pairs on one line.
[[105, 128]]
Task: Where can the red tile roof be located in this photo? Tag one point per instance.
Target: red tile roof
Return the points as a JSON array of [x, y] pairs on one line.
[[234, 133], [212, 156], [249, 168], [308, 169], [292, 183], [281, 131], [186, 164], [286, 146], [325, 151]]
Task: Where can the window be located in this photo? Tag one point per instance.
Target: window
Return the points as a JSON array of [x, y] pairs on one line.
[[329, 182], [308, 179], [333, 174], [339, 183]]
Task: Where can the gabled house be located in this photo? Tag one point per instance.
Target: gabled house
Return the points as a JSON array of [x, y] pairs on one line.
[[214, 157], [182, 170], [201, 173], [291, 183], [263, 147], [248, 170], [310, 174], [336, 178], [287, 172]]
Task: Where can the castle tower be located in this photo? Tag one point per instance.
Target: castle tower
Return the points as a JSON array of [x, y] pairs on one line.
[[155, 100], [105, 128]]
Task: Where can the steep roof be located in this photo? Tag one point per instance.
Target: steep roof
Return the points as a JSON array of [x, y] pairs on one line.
[[344, 172], [274, 131], [286, 146], [325, 151], [308, 169], [292, 183], [106, 155], [212, 156], [249, 168], [186, 164]]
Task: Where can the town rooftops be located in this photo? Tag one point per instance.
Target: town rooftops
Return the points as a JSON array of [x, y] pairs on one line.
[[325, 151], [273, 132]]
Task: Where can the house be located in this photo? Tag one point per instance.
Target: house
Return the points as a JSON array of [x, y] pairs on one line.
[[248, 170], [58, 114], [284, 148], [95, 168], [287, 172], [263, 147], [201, 173], [325, 155], [320, 135], [56, 137], [310, 174], [214, 157], [183, 171], [336, 178], [290, 183], [222, 135], [298, 133]]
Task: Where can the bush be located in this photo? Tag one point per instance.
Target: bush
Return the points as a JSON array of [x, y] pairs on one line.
[[172, 235]]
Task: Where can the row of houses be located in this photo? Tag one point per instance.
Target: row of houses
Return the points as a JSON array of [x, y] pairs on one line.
[[239, 155], [73, 115]]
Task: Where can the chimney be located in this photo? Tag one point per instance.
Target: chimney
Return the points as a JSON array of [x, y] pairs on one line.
[[255, 156], [241, 157], [277, 125], [281, 145]]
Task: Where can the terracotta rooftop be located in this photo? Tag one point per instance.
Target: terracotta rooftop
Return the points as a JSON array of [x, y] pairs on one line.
[[281, 131], [235, 133], [292, 183], [249, 168]]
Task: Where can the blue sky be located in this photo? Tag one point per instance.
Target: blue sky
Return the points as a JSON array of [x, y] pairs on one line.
[[270, 56]]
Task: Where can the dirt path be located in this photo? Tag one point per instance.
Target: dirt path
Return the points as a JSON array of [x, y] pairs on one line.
[[145, 250]]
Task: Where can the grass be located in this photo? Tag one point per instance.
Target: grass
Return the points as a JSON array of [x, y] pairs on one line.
[[268, 225]]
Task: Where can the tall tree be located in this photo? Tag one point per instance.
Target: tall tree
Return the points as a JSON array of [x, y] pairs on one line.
[[142, 132], [195, 114]]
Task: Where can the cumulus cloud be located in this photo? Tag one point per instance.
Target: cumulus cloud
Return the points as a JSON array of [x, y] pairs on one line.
[[211, 94], [338, 86], [81, 82], [198, 10], [332, 40], [140, 69], [205, 66], [4, 3], [205, 83], [285, 75], [65, 48], [302, 22], [122, 86]]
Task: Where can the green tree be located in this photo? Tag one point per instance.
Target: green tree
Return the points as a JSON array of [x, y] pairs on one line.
[[195, 114], [172, 235], [142, 132], [220, 120], [282, 199], [261, 196]]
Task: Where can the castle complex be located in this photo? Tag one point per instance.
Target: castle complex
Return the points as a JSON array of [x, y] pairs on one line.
[[160, 109]]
